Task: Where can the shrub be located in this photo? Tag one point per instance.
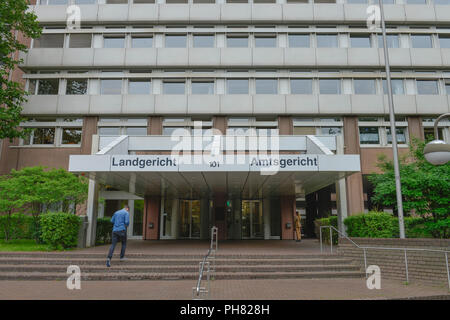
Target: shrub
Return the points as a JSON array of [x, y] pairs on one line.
[[104, 230], [20, 226], [330, 221], [60, 229], [384, 225]]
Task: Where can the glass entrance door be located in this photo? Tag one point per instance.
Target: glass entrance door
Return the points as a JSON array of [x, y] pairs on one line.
[[252, 219], [190, 219]]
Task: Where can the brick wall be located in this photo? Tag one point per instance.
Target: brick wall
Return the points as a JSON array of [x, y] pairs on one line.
[[422, 266]]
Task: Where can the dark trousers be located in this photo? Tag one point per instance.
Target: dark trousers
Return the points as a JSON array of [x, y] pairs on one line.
[[116, 237]]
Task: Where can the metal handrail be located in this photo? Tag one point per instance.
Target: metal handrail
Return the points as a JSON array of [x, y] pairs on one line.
[[202, 264], [364, 248]]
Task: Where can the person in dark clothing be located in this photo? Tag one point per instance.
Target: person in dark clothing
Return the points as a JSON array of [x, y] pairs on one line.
[[120, 220]]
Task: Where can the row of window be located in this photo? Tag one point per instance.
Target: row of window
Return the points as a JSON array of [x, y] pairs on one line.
[[66, 2], [372, 130], [233, 86], [84, 40]]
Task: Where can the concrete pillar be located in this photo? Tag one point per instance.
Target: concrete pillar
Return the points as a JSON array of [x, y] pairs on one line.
[[287, 217], [151, 218], [285, 125], [89, 129], [415, 128], [355, 196], [154, 126]]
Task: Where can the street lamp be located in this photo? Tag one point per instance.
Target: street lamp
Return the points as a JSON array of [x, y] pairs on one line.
[[398, 186], [437, 152]]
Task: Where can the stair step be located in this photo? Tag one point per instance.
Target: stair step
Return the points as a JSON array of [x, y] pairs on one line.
[[174, 269], [180, 276]]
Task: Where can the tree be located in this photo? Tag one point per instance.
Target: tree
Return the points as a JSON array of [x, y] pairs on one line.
[[425, 188], [33, 187], [14, 18]]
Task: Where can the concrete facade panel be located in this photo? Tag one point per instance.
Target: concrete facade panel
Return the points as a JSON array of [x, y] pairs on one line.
[[204, 57], [236, 12], [143, 12], [174, 12], [394, 13], [45, 57], [40, 104], [328, 12], [140, 56], [297, 12], [403, 104], [204, 12], [78, 57], [236, 57], [442, 13], [138, 104], [429, 104], [302, 104], [420, 12], [267, 12], [299, 57], [171, 104], [268, 56], [331, 56], [363, 57], [114, 57], [367, 104], [115, 13], [172, 57], [73, 104], [269, 103], [426, 57], [355, 12], [334, 104], [107, 104], [445, 54], [51, 13], [236, 104], [397, 57], [203, 104]]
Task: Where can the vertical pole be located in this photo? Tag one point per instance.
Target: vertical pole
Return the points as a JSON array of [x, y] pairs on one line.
[[398, 186], [331, 240], [406, 268], [320, 237], [365, 263], [448, 273]]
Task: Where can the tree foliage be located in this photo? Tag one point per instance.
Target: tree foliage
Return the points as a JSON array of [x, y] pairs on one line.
[[425, 188], [14, 19]]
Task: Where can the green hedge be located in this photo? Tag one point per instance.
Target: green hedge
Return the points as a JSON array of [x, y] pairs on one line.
[[21, 226], [384, 225], [330, 221], [104, 230], [60, 229]]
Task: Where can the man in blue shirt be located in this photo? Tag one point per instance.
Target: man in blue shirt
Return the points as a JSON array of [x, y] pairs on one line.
[[120, 220]]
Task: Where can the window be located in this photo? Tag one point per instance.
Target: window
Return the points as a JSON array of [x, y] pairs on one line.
[[112, 86], [444, 41], [114, 42], [80, 40], [143, 1], [116, 1], [120, 126], [330, 131], [202, 87], [237, 42], [301, 86], [357, 1], [136, 131], [48, 86], [360, 41], [265, 41], [49, 41], [330, 86], [299, 41], [41, 136], [364, 86], [427, 87], [141, 42], [173, 87], [141, 86], [442, 2], [175, 41], [397, 86], [317, 126], [85, 1], [327, 41], [391, 39], [76, 86], [447, 88], [266, 86], [237, 86], [54, 2], [109, 131], [203, 41], [369, 135], [71, 135], [416, 1], [401, 135], [421, 41]]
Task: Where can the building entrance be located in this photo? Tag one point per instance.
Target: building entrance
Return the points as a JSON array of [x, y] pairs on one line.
[[252, 219], [190, 219]]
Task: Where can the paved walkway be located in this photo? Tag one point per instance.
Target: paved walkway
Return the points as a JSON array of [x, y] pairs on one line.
[[220, 290]]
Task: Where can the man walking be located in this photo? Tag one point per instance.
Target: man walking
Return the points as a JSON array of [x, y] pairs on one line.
[[120, 220]]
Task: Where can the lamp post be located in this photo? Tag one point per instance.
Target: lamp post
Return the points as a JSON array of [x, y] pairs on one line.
[[437, 152], [398, 187]]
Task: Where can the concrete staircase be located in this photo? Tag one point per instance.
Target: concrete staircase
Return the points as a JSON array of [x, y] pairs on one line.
[[53, 266]]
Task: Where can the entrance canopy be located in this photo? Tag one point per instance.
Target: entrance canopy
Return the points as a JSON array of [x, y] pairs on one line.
[[177, 167]]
